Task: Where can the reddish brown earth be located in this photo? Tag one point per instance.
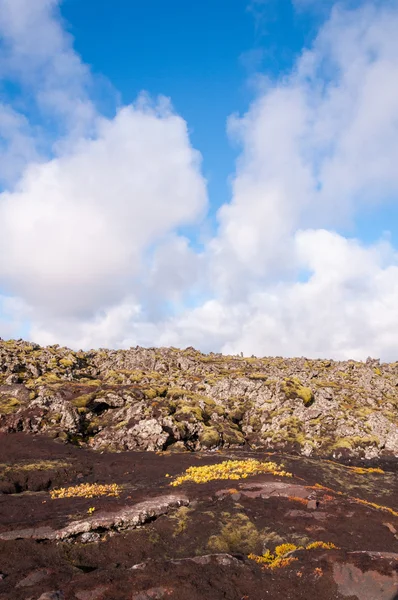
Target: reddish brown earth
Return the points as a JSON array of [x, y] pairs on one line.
[[194, 545]]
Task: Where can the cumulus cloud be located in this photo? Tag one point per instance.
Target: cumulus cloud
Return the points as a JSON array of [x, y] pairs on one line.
[[317, 146], [38, 54], [89, 216], [93, 223], [90, 239], [17, 145]]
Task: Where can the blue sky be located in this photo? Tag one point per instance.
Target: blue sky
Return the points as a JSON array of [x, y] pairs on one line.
[[204, 56], [217, 174]]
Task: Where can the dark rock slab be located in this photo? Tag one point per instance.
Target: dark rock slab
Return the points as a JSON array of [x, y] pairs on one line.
[[364, 585]]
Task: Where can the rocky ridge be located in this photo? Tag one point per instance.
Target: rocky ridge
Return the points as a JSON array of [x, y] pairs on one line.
[[168, 399]]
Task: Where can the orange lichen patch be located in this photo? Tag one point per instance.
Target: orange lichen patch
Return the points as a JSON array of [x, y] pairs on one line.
[[297, 499], [365, 471], [376, 506], [393, 512], [318, 572], [359, 470], [230, 469], [323, 545], [318, 486], [86, 490], [327, 498]]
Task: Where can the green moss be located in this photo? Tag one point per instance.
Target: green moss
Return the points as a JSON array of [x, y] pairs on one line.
[[364, 411], [57, 417], [9, 405], [342, 443], [326, 384], [90, 382], [187, 412], [356, 442], [181, 517], [83, 401], [66, 362], [232, 437], [258, 376], [135, 376], [344, 374], [176, 393], [209, 406], [40, 465], [210, 437], [238, 534], [293, 388], [48, 378]]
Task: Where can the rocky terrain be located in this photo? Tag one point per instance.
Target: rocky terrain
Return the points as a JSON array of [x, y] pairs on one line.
[[151, 474], [158, 399]]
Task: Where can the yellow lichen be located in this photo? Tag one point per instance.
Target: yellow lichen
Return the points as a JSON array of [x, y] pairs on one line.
[[86, 490], [229, 469], [376, 506]]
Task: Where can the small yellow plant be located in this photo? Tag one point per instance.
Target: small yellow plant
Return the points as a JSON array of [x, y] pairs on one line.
[[285, 549], [323, 545], [86, 490], [229, 469], [281, 562], [280, 559], [91, 510]]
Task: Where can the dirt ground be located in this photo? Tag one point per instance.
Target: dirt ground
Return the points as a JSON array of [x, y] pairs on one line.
[[198, 548]]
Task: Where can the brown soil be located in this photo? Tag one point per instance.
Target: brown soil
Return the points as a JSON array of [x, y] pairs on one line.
[[199, 551]]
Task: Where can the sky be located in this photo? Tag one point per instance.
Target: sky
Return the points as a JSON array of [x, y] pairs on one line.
[[219, 174]]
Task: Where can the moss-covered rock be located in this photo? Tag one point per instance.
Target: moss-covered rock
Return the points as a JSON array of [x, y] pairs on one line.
[[209, 437], [293, 388]]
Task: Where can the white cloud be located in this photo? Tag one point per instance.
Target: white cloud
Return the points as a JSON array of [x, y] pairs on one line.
[[38, 54], [90, 226], [317, 146], [74, 233], [17, 146]]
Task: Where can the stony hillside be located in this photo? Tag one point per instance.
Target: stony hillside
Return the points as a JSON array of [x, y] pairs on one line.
[[165, 398]]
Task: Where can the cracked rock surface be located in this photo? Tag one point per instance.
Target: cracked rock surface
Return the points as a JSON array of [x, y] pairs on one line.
[[154, 540]]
